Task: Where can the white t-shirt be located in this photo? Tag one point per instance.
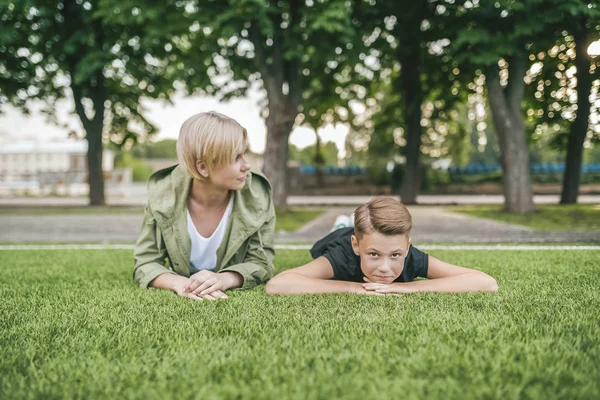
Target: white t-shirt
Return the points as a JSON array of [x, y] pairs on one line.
[[204, 250]]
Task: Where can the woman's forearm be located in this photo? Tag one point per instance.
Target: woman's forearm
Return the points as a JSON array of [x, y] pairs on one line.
[[169, 281], [291, 283]]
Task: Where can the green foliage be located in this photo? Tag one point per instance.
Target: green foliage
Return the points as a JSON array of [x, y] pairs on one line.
[[90, 49], [160, 149], [308, 155], [290, 220], [140, 170], [73, 325]]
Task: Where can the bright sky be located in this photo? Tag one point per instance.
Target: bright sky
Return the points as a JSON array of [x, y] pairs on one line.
[[168, 118]]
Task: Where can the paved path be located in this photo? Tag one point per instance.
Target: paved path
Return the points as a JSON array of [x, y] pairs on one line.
[[138, 198], [431, 224]]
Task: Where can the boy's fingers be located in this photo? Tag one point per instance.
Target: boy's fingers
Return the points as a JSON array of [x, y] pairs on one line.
[[385, 290], [366, 279]]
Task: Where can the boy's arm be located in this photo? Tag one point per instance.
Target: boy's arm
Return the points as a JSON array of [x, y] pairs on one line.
[[314, 277], [443, 278]]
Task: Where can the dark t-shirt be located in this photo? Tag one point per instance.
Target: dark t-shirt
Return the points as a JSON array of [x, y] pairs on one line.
[[337, 248]]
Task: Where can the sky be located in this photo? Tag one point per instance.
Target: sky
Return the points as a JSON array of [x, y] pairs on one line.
[[15, 126]]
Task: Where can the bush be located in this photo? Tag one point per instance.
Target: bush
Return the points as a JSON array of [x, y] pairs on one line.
[[140, 171]]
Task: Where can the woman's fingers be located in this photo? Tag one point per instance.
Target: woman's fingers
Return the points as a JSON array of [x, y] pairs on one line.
[[219, 294], [205, 285], [193, 296], [209, 297], [194, 285]]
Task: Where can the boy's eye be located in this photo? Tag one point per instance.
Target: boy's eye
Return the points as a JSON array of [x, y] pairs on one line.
[[373, 254], [396, 255]]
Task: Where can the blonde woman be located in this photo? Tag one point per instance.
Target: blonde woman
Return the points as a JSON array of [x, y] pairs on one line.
[[209, 223]]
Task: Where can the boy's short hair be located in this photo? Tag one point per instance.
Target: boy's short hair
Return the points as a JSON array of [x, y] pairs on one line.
[[385, 215], [210, 137]]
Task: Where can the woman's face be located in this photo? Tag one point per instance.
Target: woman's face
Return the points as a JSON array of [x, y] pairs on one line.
[[381, 256], [232, 176]]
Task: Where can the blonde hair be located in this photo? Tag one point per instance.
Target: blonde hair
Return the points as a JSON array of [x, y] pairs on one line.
[[210, 137], [381, 214]]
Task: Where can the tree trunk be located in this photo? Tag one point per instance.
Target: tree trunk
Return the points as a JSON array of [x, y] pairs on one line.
[[93, 134], [319, 162], [410, 86], [579, 128], [94, 164], [510, 127], [280, 122]]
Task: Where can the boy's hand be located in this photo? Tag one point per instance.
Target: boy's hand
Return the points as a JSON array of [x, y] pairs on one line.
[[386, 288]]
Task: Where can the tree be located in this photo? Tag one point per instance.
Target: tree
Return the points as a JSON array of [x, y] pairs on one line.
[[405, 50], [79, 50], [583, 18], [283, 47], [498, 37]]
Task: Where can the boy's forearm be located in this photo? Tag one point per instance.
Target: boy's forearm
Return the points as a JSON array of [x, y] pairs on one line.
[[472, 282], [299, 284]]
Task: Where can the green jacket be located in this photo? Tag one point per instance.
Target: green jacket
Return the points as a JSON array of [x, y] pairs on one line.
[[247, 247]]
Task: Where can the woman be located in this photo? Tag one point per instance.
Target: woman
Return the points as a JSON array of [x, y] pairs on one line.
[[210, 218]]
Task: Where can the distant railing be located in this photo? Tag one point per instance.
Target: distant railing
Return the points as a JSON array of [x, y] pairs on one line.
[[331, 170], [473, 169]]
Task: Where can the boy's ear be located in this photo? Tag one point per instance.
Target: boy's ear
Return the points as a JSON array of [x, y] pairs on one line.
[[202, 168], [354, 242]]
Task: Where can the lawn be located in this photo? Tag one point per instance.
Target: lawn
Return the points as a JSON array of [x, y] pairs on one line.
[[547, 217], [289, 219], [73, 326]]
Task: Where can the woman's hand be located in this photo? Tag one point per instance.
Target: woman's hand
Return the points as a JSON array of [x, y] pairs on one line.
[[210, 285], [217, 294]]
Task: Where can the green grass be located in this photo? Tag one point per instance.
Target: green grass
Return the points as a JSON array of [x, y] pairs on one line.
[[578, 217], [291, 219], [73, 326], [69, 210]]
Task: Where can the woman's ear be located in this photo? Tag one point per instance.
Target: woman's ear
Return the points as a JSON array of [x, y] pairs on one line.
[[202, 169], [354, 242]]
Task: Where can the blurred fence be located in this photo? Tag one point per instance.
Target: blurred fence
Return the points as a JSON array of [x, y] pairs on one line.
[[473, 169]]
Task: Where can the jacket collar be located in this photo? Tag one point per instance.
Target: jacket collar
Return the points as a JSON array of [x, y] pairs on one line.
[[168, 194]]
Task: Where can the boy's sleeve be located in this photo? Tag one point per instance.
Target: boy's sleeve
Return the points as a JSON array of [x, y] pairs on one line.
[[419, 261], [338, 257]]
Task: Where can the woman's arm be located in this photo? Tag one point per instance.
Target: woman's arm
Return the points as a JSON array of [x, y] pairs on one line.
[[149, 253], [257, 267], [314, 277], [443, 278]]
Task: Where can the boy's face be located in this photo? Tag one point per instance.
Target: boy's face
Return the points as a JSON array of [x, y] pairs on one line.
[[381, 257]]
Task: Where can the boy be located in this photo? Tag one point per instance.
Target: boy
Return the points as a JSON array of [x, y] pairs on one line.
[[376, 257]]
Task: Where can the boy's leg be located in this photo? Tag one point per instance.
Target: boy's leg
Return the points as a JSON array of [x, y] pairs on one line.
[[343, 221]]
